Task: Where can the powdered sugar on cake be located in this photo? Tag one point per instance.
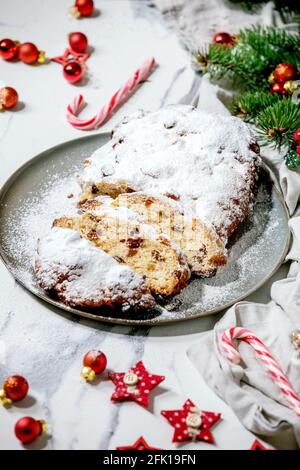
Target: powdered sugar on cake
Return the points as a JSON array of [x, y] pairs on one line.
[[206, 160], [82, 274]]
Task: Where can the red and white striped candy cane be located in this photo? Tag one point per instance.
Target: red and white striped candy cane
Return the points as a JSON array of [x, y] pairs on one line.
[[231, 352], [116, 100]]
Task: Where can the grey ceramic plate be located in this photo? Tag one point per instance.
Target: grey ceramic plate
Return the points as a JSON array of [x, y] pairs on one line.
[[37, 193]]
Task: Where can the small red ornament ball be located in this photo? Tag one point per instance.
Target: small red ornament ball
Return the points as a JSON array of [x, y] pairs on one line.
[[73, 71], [297, 135], [285, 72], [78, 42], [85, 7], [28, 53], [27, 429], [222, 38], [278, 88], [8, 49], [8, 97], [96, 360], [16, 387], [298, 149]]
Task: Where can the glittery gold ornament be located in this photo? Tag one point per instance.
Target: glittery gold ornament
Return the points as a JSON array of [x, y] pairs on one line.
[[290, 86], [42, 57], [271, 78], [88, 374], [295, 338], [3, 398]]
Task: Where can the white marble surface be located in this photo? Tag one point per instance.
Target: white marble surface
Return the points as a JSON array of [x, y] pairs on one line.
[[42, 343]]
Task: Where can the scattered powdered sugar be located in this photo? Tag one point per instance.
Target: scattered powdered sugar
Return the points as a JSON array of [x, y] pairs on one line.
[[34, 217], [207, 160], [82, 273]]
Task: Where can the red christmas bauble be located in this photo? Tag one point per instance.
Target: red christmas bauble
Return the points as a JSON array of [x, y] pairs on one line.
[[27, 429], [15, 387], [8, 49], [223, 38], [73, 71], [278, 88], [8, 97], [297, 135], [78, 42], [96, 360], [28, 53], [298, 149], [85, 7], [285, 72]]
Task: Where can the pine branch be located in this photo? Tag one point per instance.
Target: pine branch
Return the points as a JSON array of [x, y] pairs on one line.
[[254, 55], [277, 123], [249, 104]]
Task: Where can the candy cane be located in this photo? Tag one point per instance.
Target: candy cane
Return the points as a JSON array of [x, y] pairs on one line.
[[116, 100], [271, 365]]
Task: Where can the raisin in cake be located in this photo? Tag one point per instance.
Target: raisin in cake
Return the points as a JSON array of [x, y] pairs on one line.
[[82, 275], [128, 240], [206, 161]]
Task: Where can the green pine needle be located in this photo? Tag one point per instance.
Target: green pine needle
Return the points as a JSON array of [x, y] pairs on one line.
[[277, 123], [249, 104]]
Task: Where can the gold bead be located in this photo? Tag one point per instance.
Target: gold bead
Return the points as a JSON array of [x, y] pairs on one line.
[[75, 12], [290, 86], [43, 425], [88, 374], [295, 338], [42, 58], [3, 398], [271, 78]]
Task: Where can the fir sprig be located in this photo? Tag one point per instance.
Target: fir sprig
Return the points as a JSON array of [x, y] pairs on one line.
[[252, 57], [249, 104], [278, 122], [254, 54]]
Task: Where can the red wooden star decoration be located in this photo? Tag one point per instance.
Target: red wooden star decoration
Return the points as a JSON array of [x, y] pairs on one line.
[[140, 444], [135, 384], [192, 424], [258, 446], [69, 55]]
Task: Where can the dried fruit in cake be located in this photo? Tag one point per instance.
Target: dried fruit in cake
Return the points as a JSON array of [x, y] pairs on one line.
[[122, 235], [203, 248], [206, 161], [84, 276]]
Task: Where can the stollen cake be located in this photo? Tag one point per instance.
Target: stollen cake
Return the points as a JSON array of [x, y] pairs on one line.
[[159, 201], [120, 233], [206, 161], [84, 276]]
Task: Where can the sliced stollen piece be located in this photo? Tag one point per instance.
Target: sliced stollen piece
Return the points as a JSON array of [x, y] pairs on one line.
[[203, 248], [121, 234], [210, 162], [84, 276]]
